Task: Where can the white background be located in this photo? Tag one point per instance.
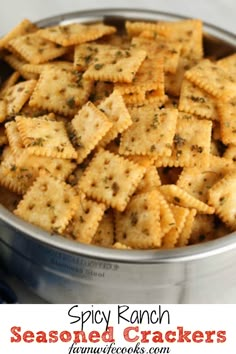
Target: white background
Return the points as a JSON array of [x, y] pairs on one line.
[[190, 317], [218, 12]]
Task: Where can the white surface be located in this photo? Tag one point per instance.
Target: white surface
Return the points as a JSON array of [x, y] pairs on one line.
[[218, 12]]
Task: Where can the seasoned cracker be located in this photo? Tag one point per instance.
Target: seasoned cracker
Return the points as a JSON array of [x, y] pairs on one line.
[[16, 96], [196, 101], [57, 200], [75, 33], [191, 143], [60, 91], [35, 49], [115, 65], [24, 27], [14, 177], [167, 219], [185, 234], [150, 76], [189, 33], [18, 65], [15, 142], [150, 181], [173, 81], [45, 137], [213, 79], [89, 126], [158, 49], [85, 221], [116, 111], [229, 64], [118, 179], [156, 125], [12, 80], [198, 181], [179, 196], [227, 113], [134, 28], [139, 225], [171, 238], [104, 235], [100, 91], [222, 197]]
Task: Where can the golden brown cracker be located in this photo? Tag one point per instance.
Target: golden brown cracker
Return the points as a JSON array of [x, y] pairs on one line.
[[45, 137], [35, 49], [156, 125], [139, 225], [60, 91], [75, 33], [213, 79], [118, 179], [89, 126], [115, 65], [85, 221], [57, 200]]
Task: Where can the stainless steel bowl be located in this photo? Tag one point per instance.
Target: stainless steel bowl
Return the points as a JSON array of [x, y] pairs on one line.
[[63, 271]]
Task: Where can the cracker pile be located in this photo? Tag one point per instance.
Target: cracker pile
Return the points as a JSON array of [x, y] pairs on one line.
[[121, 140]]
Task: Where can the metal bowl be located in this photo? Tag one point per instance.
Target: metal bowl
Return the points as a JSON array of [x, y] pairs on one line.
[[63, 271]]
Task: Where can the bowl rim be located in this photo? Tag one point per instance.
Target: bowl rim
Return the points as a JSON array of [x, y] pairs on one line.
[[181, 254]]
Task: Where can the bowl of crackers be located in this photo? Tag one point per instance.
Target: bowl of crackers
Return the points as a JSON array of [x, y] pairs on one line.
[[118, 150]]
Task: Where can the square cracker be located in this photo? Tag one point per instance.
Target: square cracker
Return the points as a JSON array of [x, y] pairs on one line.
[[180, 215], [139, 225], [17, 95], [151, 133], [229, 64], [43, 137], [115, 109], [35, 49], [75, 33], [169, 52], [18, 64], [61, 91], [85, 221], [111, 179], [89, 126], [191, 143], [115, 65], [222, 197], [24, 27], [227, 114], [189, 33], [178, 196], [13, 176], [9, 82], [212, 78], [57, 200], [198, 181], [104, 235], [135, 28], [197, 101], [150, 76]]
